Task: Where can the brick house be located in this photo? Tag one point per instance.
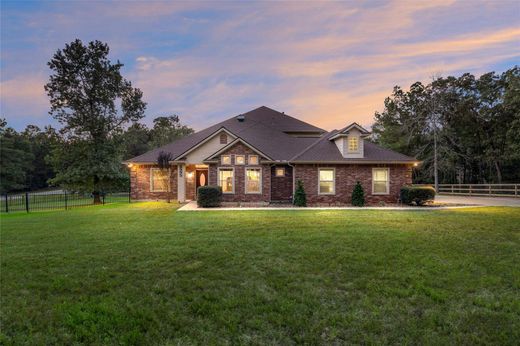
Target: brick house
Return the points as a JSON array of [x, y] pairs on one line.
[[257, 157]]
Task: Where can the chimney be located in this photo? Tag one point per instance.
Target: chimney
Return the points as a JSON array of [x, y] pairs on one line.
[[241, 117]]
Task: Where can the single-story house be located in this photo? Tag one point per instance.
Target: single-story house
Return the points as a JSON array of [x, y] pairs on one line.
[[259, 156]]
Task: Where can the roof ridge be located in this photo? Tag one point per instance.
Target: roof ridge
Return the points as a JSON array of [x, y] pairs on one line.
[[324, 136]]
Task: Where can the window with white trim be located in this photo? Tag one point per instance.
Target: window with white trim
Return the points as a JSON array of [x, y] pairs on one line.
[[226, 180], [253, 180], [225, 159], [159, 180], [380, 181], [252, 159], [326, 181], [279, 172], [240, 160], [353, 144]]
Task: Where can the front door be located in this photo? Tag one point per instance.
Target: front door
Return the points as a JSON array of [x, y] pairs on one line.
[[201, 178]]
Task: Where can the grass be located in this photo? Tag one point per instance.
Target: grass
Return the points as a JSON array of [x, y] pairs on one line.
[[146, 274]]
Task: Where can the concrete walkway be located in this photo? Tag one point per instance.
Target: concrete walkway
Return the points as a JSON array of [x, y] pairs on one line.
[[484, 201], [192, 206]]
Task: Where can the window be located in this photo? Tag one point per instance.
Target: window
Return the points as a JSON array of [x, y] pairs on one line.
[[223, 138], [353, 144], [327, 181], [380, 180], [225, 159], [240, 160], [279, 172], [253, 159], [226, 180], [159, 180], [253, 180]]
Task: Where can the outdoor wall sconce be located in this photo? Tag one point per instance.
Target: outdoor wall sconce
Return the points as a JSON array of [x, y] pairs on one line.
[[130, 165]]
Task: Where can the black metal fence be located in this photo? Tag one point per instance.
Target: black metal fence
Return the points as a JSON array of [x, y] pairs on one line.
[[49, 200]]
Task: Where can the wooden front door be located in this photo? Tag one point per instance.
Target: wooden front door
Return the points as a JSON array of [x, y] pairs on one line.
[[201, 178]]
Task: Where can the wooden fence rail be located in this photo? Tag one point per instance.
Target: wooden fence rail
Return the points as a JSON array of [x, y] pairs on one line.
[[496, 190]]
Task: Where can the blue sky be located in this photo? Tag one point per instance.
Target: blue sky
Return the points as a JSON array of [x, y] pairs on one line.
[[327, 63]]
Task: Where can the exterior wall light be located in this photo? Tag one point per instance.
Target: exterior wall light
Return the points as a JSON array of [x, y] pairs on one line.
[[130, 165]]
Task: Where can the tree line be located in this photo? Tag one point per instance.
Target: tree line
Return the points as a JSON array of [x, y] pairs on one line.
[[466, 126]]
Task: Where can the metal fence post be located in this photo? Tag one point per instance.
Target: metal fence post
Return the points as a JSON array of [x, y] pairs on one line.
[[65, 199], [6, 204], [27, 201], [103, 198]]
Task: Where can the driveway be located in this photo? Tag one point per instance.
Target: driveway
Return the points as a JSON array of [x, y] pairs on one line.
[[488, 201]]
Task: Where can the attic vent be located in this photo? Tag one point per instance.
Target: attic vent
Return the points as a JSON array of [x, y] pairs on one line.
[[241, 117]]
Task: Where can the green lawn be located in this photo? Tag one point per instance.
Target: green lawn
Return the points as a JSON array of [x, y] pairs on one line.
[[143, 273]]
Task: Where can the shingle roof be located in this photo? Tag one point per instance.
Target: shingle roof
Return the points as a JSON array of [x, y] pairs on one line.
[[265, 129], [325, 150]]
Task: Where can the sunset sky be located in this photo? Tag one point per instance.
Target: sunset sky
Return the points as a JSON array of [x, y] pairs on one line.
[[325, 63]]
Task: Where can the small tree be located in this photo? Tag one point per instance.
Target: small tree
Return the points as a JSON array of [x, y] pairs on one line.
[[300, 199], [163, 161], [358, 195]]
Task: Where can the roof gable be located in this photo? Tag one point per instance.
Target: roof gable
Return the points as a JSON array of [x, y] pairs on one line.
[[233, 143]]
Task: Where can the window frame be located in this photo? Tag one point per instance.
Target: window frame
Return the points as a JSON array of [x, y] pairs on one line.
[[232, 169], [387, 180], [240, 164], [333, 169], [245, 180], [357, 144], [152, 187], [222, 160], [223, 138], [276, 172], [249, 160]]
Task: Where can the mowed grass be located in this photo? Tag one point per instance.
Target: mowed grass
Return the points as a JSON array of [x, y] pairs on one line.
[[144, 273]]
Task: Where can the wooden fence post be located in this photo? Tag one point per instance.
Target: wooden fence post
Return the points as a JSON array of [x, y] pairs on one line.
[[27, 201]]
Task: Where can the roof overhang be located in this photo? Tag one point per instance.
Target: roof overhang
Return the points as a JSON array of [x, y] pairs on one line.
[[344, 131], [205, 140], [357, 162]]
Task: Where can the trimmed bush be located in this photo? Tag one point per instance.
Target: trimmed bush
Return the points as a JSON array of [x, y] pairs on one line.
[[209, 196], [300, 198], [358, 195], [417, 195]]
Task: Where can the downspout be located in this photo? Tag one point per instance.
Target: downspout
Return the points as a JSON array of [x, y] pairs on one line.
[[293, 179]]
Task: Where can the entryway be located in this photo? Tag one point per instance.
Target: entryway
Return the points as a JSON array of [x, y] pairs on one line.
[[201, 178]]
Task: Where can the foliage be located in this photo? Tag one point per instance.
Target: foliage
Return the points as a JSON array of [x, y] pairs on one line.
[[209, 196], [85, 89], [358, 195], [476, 121], [300, 198], [417, 195], [263, 277], [167, 129]]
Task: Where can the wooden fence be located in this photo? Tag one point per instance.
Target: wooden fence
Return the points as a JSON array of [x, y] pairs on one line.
[[496, 190]]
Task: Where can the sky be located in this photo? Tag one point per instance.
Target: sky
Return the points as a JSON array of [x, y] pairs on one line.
[[327, 63]]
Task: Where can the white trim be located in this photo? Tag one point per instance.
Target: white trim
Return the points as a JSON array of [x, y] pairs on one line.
[[218, 178], [238, 139], [205, 140], [249, 160], [240, 164], [222, 160], [259, 168], [333, 180], [387, 181], [153, 169]]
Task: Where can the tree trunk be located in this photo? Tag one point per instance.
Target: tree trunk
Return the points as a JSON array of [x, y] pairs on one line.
[[97, 197], [499, 172]]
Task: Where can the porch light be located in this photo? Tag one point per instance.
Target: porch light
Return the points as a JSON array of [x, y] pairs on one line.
[[190, 175], [130, 165], [415, 164]]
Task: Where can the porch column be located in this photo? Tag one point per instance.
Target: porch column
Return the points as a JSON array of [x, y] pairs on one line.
[[181, 182]]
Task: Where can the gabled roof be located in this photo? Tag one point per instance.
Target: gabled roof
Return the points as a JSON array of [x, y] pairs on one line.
[[237, 140], [344, 131], [268, 132]]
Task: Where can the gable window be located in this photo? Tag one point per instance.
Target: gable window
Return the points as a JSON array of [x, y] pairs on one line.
[[353, 144], [326, 181], [226, 180], [252, 159], [240, 160], [159, 180], [225, 159], [223, 138], [253, 180], [380, 181], [279, 172]]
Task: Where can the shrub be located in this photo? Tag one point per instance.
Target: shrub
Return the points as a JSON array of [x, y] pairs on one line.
[[209, 196], [358, 195], [417, 195], [300, 199]]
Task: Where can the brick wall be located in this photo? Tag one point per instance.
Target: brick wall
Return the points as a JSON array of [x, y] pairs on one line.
[[282, 187], [346, 178], [240, 195], [140, 184]]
